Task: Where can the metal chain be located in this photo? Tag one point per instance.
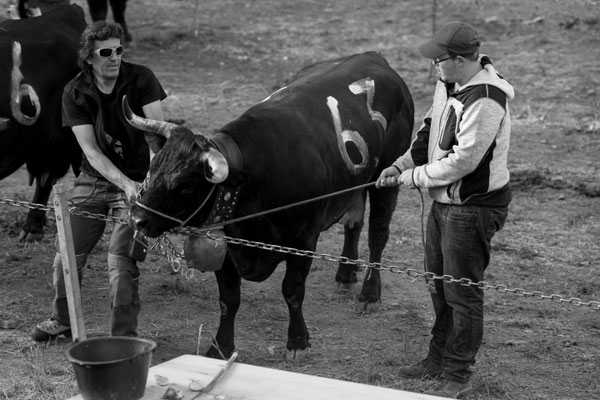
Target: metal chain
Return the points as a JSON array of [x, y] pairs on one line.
[[72, 211], [411, 272], [167, 250], [163, 246], [24, 204]]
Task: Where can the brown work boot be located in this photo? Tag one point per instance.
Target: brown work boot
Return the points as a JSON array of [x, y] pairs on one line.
[[426, 369], [453, 390]]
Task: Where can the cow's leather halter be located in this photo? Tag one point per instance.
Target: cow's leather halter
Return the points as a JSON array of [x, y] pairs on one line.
[[180, 222], [223, 206]]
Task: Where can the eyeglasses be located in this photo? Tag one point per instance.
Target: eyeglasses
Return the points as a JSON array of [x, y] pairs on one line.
[[437, 61], [107, 52]]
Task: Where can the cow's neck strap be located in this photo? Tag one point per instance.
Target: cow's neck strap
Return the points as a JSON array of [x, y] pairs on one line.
[[224, 206]]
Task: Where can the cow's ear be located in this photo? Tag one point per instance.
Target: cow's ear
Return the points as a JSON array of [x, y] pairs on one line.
[[216, 168], [155, 141]]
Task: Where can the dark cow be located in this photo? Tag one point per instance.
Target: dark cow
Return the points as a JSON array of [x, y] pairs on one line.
[[35, 8], [335, 126], [38, 57]]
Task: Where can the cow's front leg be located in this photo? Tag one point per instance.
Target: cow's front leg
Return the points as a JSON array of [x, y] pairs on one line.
[[229, 282], [33, 230], [382, 205], [293, 289], [353, 221]]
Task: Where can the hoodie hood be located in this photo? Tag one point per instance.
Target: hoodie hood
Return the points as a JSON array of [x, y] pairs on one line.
[[489, 76]]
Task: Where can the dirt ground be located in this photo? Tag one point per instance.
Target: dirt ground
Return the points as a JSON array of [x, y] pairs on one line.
[[223, 56]]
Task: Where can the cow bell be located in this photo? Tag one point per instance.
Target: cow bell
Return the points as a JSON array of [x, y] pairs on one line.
[[205, 253]]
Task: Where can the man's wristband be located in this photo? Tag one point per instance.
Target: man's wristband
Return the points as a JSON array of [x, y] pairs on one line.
[[398, 168]]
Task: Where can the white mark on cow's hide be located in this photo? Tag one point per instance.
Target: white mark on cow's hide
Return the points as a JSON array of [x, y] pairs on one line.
[[344, 136], [274, 93], [367, 85], [18, 90], [4, 124]]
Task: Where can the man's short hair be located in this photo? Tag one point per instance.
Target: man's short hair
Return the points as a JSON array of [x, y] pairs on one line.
[[99, 30]]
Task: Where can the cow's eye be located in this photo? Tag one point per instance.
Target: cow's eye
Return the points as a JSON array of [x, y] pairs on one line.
[[187, 192]]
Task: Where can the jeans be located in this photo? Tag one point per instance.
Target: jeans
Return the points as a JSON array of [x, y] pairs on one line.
[[100, 197], [458, 243]]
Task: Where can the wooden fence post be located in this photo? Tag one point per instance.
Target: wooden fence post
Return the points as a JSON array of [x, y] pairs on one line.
[[69, 262], [433, 29]]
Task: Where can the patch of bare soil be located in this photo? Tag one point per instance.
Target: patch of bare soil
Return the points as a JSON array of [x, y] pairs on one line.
[[228, 55]]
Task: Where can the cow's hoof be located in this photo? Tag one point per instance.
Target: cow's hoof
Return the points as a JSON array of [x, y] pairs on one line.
[[298, 355], [30, 236], [345, 288], [218, 354], [369, 307]]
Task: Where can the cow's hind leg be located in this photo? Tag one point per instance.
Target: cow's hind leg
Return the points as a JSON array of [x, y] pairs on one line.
[[118, 8], [229, 282], [36, 219], [98, 9], [382, 204], [353, 221], [293, 289]]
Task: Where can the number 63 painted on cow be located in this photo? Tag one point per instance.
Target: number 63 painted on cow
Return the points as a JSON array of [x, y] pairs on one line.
[[366, 85]]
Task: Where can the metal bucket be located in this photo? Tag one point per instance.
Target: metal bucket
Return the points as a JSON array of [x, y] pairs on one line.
[[111, 368]]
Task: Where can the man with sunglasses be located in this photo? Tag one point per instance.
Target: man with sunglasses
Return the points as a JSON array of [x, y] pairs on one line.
[[460, 155], [115, 158]]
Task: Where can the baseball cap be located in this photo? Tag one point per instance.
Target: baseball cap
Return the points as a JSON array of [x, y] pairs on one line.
[[457, 37]]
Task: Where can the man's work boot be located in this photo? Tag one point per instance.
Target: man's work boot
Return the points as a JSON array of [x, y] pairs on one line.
[[453, 390], [49, 329], [426, 369]]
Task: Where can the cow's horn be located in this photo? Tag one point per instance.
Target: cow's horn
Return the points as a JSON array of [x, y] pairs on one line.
[[149, 125], [217, 163]]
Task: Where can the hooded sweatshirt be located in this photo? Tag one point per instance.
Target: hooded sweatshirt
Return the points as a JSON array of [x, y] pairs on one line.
[[460, 152]]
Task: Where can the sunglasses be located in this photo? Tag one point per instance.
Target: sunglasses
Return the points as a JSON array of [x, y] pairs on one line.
[[107, 52], [437, 61]]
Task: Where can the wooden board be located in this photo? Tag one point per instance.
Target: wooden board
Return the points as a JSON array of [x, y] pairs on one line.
[[69, 262], [248, 382]]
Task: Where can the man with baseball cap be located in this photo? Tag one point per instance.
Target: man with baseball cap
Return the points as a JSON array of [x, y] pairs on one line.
[[456, 37], [460, 155]]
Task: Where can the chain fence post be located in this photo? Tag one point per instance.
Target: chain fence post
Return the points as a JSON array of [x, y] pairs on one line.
[[69, 262]]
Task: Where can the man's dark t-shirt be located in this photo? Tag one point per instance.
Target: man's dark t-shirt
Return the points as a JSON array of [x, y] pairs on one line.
[[124, 145]]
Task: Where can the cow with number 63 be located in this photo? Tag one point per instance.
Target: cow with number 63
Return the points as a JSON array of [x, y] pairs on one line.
[[334, 127]]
